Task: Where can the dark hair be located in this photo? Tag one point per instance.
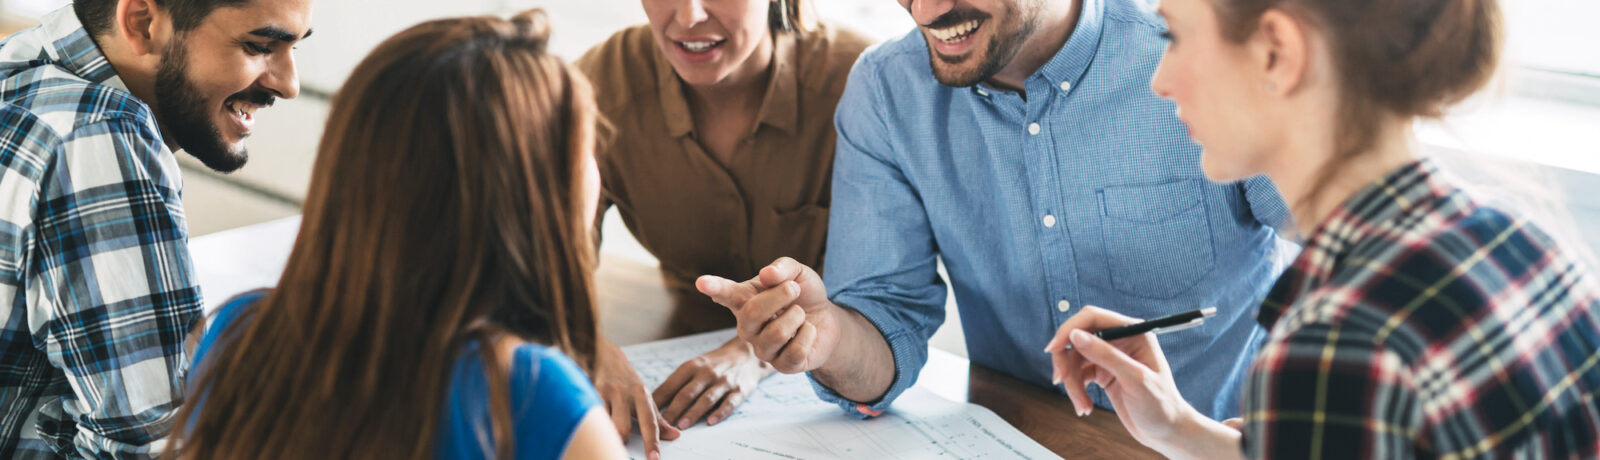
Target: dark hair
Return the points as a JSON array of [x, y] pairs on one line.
[[445, 209], [789, 16], [1409, 58], [96, 15]]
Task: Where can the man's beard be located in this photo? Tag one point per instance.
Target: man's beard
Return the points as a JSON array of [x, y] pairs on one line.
[[187, 118], [1001, 50]]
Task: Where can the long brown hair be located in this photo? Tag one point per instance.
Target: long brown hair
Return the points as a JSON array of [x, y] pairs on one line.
[[1407, 58], [790, 16], [445, 210]]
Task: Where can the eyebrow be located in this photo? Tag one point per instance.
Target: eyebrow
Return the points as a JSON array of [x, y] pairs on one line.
[[278, 34]]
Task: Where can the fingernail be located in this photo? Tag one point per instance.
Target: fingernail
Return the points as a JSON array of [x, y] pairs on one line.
[[655, 455], [713, 420], [683, 424], [1054, 380], [1080, 339], [791, 288]]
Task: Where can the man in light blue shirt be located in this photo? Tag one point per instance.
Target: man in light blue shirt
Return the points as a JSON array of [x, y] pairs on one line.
[[1025, 150]]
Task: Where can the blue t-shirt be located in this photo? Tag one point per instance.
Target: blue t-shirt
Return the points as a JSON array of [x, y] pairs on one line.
[[549, 396]]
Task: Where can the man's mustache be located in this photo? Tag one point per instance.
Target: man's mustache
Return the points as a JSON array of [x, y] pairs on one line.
[[258, 97]]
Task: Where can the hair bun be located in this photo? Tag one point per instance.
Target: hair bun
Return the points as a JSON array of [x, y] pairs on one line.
[[534, 26]]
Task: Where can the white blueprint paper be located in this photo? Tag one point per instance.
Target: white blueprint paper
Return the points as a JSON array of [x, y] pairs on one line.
[[784, 419]]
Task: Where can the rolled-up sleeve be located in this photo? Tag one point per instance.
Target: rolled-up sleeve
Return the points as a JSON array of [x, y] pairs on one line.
[[882, 257]]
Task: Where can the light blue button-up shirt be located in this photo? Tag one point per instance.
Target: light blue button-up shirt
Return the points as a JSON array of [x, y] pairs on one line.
[[1089, 192]]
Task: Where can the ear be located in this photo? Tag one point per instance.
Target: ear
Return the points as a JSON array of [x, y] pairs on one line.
[[143, 25], [1282, 51]]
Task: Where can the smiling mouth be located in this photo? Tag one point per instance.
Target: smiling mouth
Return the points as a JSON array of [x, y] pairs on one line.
[[242, 109], [700, 46], [957, 33], [243, 113]]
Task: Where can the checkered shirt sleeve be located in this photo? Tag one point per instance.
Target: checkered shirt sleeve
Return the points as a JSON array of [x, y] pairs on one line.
[[1420, 324]]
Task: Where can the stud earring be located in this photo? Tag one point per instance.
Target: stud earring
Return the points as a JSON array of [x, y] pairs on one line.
[[783, 15]]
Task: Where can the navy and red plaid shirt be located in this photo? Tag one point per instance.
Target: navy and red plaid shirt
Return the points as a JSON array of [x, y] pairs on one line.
[[1420, 324]]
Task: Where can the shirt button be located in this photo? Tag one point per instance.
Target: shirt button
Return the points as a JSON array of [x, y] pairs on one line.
[[1066, 86], [1049, 221], [1033, 128], [1063, 306]]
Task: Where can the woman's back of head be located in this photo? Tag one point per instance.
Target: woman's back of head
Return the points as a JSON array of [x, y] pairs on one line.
[[1406, 57], [448, 206]]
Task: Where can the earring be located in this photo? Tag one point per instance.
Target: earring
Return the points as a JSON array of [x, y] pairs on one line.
[[783, 15]]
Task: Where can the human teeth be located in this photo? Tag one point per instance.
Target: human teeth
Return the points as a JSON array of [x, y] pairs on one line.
[[241, 109], [698, 46], [955, 34]]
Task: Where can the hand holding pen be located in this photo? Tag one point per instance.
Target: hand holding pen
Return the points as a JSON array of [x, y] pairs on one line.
[[1132, 370], [1160, 325]]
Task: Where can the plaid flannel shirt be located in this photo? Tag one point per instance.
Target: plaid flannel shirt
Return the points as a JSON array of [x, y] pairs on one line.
[[1419, 324], [95, 274]]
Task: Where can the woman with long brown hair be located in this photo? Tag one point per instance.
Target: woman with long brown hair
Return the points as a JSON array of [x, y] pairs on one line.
[[442, 262], [1420, 320]]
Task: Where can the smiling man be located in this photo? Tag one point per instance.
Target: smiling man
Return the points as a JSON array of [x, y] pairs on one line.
[[1018, 142], [94, 265]]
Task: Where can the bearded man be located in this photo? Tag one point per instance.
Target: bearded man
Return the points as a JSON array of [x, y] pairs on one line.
[[1017, 141], [94, 263]]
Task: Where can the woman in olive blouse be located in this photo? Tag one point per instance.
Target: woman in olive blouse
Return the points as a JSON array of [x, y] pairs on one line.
[[723, 134]]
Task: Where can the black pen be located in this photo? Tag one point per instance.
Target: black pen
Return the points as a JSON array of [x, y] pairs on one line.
[[1160, 325]]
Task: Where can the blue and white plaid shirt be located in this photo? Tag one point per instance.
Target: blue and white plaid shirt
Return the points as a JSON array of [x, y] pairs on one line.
[[94, 261]]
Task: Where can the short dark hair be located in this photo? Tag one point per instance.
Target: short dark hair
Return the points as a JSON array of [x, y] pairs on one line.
[[186, 14]]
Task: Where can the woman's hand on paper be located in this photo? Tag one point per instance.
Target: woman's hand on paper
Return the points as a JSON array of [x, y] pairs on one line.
[[627, 399], [712, 385]]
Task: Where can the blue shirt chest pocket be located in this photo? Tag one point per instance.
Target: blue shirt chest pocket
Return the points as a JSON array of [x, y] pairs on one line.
[[1157, 238]]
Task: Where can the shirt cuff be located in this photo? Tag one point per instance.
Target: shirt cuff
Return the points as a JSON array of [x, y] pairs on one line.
[[910, 352]]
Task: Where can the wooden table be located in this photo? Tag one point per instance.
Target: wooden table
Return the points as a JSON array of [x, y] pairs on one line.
[[634, 305]]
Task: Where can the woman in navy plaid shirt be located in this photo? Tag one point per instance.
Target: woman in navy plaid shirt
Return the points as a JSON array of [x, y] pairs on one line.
[[1417, 322]]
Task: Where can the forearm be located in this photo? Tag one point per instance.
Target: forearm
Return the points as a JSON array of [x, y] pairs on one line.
[[862, 366], [1200, 437]]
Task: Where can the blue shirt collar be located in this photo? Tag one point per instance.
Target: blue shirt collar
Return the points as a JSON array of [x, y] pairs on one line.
[[1072, 61]]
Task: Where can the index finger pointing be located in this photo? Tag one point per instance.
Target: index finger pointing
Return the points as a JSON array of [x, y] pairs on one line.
[[726, 292]]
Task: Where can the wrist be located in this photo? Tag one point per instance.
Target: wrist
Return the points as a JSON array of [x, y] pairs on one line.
[[862, 368], [1199, 437], [742, 352], [844, 321]]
